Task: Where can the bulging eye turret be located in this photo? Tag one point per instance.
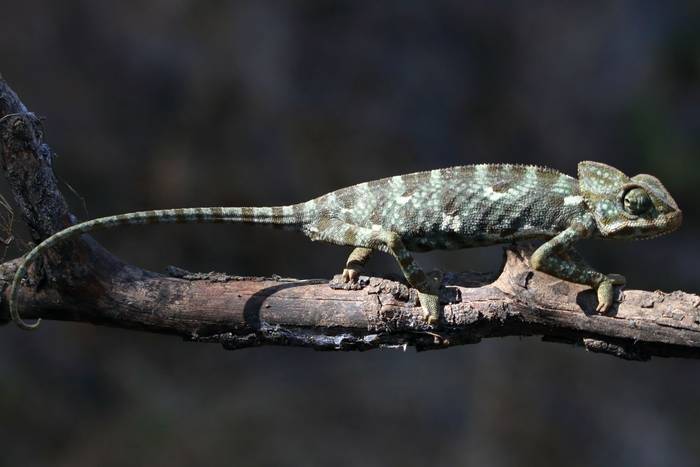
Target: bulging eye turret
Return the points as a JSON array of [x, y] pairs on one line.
[[637, 202]]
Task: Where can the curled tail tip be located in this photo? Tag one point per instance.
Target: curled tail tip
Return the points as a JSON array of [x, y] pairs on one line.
[[26, 326], [14, 314]]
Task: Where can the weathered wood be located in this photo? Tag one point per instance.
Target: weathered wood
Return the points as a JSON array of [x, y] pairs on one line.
[[81, 281]]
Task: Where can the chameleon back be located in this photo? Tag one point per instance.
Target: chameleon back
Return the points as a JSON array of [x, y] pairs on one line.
[[461, 207]]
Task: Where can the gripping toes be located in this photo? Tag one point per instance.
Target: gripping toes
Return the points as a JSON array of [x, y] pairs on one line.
[[606, 291], [430, 302], [351, 274], [355, 264], [429, 296]]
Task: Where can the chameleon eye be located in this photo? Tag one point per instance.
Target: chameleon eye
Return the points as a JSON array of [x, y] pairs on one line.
[[637, 201]]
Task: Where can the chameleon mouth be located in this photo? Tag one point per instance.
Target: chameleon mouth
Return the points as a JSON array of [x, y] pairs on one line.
[[677, 219], [671, 223], [674, 221]]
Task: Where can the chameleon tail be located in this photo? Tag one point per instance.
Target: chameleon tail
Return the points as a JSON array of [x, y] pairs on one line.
[[292, 217]]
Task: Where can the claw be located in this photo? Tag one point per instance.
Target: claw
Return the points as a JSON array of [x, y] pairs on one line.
[[430, 298], [350, 275], [430, 302], [605, 291]]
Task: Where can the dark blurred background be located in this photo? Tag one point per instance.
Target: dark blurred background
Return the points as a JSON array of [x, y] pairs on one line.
[[175, 103]]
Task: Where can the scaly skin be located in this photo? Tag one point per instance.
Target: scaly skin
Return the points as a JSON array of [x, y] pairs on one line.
[[452, 208]]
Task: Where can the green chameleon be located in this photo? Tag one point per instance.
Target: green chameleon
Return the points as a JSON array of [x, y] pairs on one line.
[[452, 208]]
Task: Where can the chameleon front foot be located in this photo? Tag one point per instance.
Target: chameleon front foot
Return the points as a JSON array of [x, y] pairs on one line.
[[430, 302], [429, 296], [351, 274], [606, 291]]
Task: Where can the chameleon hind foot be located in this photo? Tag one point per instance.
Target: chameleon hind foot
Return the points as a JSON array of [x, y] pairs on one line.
[[351, 274], [356, 264], [429, 297], [606, 291]]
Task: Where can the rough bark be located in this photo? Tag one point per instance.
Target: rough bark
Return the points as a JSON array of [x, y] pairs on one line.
[[81, 281]]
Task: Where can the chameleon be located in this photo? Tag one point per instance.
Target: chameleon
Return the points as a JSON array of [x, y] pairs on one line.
[[450, 208]]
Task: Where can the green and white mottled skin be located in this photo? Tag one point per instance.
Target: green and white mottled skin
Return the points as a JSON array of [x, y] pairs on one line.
[[452, 208]]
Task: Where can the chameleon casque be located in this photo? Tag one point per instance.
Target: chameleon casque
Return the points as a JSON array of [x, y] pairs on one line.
[[451, 208]]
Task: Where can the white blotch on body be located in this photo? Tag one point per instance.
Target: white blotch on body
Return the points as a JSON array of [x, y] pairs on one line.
[[263, 212], [453, 223], [493, 195], [573, 200]]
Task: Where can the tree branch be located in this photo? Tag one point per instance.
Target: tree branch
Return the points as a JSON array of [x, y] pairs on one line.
[[81, 281]]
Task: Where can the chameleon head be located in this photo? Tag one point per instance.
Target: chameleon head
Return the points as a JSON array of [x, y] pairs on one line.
[[627, 208]]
